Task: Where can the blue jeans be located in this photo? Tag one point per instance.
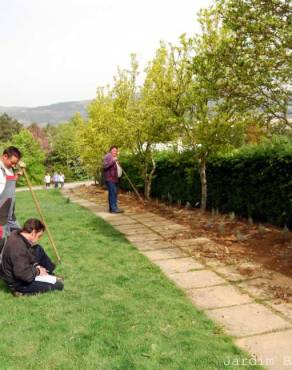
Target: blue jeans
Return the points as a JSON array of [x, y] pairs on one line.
[[112, 188]]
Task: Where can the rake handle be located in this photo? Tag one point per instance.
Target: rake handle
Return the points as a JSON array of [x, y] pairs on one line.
[[38, 207]]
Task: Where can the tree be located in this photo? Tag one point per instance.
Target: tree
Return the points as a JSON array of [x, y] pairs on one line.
[[160, 108], [65, 155], [33, 156], [95, 136], [213, 123], [8, 127], [259, 51], [238, 78], [40, 135]]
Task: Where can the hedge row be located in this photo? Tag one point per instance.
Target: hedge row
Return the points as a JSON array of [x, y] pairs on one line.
[[253, 182]]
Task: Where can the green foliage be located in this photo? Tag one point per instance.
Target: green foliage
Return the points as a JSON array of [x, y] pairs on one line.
[[65, 154], [176, 175], [8, 127], [253, 182], [95, 137], [33, 156], [259, 56]]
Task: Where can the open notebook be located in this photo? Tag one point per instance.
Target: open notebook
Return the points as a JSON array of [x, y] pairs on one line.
[[46, 279]]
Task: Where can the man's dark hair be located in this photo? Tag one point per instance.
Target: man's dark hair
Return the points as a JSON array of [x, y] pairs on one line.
[[33, 224], [113, 147], [12, 151]]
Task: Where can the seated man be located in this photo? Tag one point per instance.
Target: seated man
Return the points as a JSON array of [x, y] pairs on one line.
[[25, 267]]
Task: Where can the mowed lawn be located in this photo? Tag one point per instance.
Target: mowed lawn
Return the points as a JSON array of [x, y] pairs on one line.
[[117, 311]]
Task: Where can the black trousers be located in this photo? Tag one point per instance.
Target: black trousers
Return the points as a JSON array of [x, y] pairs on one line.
[[36, 287]]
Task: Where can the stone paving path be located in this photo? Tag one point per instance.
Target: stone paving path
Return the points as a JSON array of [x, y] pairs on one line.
[[67, 185], [259, 325]]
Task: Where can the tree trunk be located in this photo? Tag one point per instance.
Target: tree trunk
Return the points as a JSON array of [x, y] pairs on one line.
[[148, 180], [203, 178]]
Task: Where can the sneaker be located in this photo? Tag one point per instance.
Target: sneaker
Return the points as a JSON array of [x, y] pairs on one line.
[[118, 211], [15, 293]]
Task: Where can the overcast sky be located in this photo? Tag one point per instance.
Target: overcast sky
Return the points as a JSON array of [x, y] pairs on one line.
[[61, 50]]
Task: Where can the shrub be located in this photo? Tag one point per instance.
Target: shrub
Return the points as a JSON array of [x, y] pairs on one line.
[[253, 182]]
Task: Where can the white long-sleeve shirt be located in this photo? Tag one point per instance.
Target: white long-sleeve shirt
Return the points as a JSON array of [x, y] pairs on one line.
[[8, 172]]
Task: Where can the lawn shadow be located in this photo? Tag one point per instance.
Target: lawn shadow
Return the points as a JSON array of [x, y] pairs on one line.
[[100, 226], [3, 287]]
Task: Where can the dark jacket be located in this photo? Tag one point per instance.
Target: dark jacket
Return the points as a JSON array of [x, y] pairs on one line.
[[110, 169], [18, 261]]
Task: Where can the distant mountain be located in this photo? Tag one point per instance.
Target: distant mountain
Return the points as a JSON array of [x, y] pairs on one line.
[[53, 114]]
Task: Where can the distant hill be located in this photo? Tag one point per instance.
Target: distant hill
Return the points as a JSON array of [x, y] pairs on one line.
[[53, 114]]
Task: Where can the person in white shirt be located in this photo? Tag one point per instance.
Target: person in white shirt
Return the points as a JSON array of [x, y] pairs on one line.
[[61, 179], [48, 180], [8, 177]]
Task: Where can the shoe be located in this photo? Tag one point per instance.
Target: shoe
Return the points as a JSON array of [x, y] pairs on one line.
[[60, 279], [117, 211], [15, 293]]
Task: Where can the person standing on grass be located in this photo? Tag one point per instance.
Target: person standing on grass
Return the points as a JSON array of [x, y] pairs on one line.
[[48, 180], [25, 269], [112, 172], [8, 177]]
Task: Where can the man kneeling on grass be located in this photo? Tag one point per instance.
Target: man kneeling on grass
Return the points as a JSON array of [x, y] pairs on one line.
[[24, 265]]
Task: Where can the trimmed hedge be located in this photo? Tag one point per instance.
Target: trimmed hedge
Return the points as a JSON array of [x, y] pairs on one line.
[[253, 182]]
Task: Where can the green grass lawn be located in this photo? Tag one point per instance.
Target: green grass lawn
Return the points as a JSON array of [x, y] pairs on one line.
[[117, 311]]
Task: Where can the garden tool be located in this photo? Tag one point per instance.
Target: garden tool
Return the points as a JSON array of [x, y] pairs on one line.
[[39, 210]]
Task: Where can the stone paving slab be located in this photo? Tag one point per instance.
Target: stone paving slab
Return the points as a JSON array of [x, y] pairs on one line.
[[273, 351], [172, 266], [146, 215], [153, 245], [257, 287], [157, 222], [145, 238], [168, 227], [110, 216], [168, 233], [149, 221], [230, 273], [124, 221], [214, 264], [137, 227], [195, 243], [283, 307], [217, 296], [96, 209], [197, 279], [163, 254], [140, 232], [249, 319]]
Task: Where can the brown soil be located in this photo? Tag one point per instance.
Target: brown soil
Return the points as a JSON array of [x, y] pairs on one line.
[[236, 241]]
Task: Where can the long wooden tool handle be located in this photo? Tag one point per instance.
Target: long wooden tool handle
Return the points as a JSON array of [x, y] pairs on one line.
[[36, 202], [134, 188]]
